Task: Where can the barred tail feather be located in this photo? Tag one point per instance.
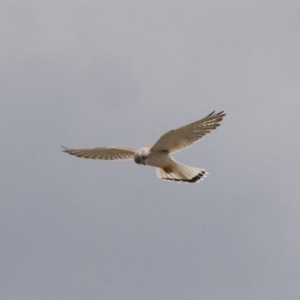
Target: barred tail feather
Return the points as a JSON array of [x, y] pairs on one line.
[[181, 173]]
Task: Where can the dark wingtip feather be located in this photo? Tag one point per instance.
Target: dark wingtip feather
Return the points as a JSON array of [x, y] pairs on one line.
[[64, 148]]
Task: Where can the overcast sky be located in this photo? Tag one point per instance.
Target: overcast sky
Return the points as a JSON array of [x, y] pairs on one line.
[[122, 73]]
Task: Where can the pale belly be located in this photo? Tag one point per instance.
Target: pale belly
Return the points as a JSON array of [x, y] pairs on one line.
[[159, 159]]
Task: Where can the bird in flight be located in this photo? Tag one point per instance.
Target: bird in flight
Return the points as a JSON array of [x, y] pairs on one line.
[[159, 154]]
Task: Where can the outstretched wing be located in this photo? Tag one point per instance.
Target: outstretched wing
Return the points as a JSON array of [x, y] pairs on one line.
[[102, 153], [185, 136]]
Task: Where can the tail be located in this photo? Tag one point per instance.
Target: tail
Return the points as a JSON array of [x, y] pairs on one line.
[[181, 173]]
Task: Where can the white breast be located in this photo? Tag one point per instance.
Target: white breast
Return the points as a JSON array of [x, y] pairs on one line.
[[159, 159]]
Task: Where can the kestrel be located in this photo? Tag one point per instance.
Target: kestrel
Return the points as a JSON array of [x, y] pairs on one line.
[[159, 154]]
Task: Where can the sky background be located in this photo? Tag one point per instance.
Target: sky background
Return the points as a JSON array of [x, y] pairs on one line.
[[122, 73]]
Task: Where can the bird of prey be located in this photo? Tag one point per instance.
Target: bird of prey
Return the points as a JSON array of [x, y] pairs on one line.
[[158, 155]]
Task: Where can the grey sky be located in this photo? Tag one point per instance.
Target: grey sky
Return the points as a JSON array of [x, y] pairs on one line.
[[121, 73]]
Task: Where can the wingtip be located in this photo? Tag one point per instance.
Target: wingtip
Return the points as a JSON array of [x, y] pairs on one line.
[[219, 114], [211, 113], [64, 149]]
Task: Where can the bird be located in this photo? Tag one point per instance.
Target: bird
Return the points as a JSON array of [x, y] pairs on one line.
[[158, 155]]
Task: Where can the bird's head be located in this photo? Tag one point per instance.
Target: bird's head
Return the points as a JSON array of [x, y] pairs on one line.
[[141, 155]]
